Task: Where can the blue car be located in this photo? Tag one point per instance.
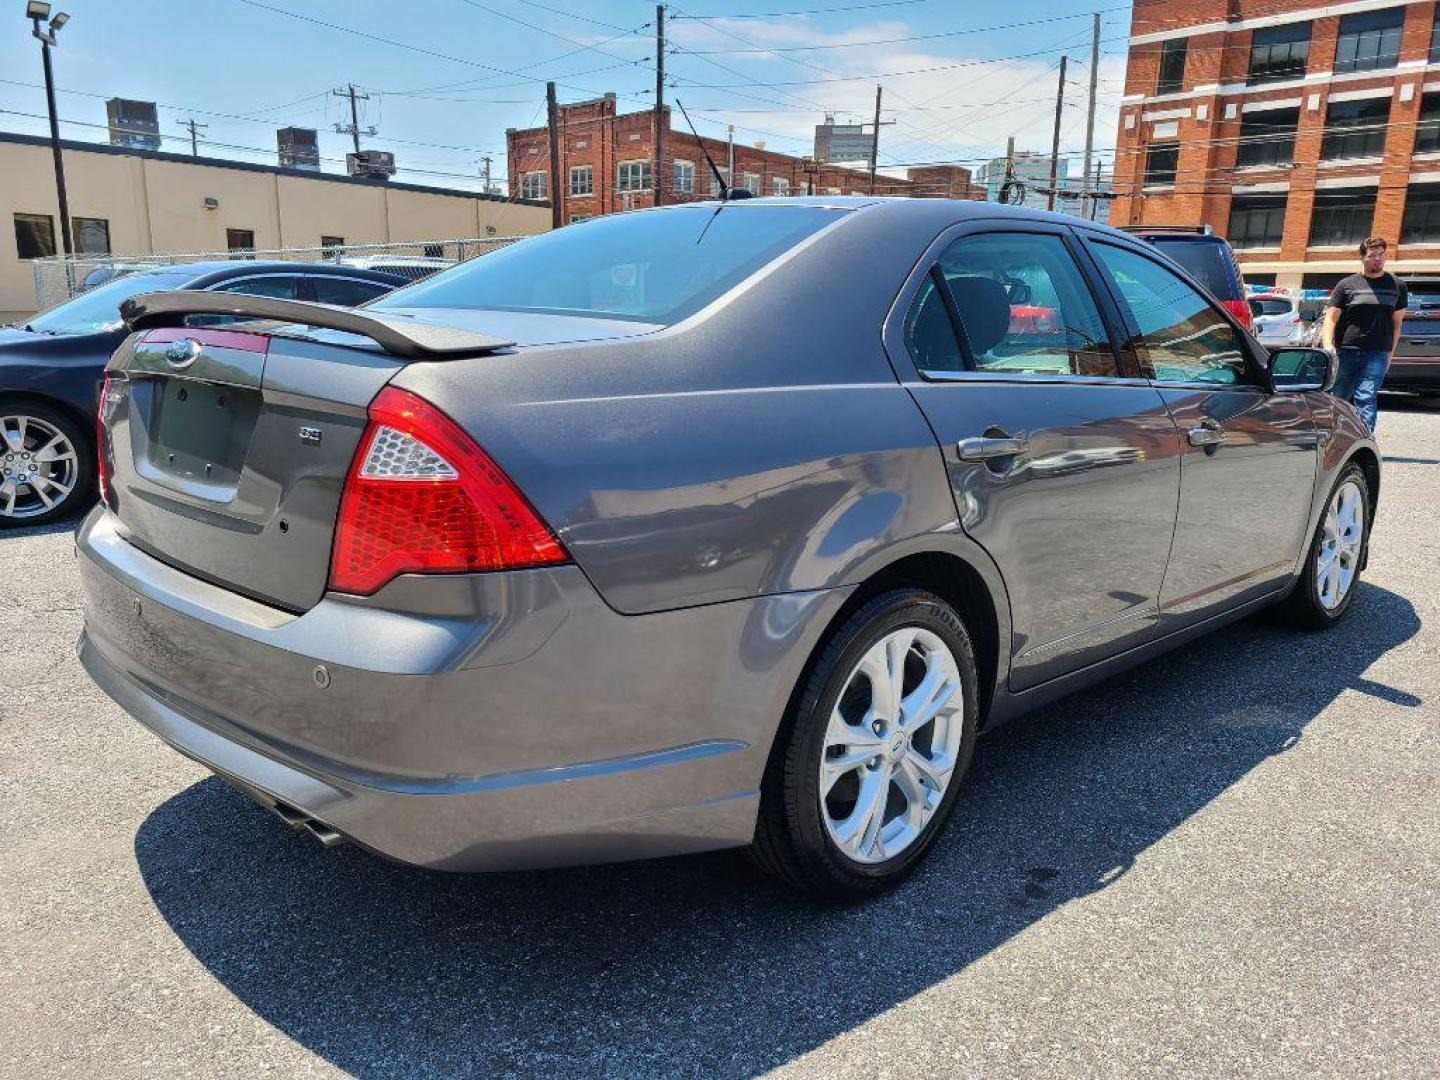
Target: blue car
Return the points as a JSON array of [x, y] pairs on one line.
[[52, 366]]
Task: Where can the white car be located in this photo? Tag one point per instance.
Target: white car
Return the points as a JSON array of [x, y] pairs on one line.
[[1285, 320]]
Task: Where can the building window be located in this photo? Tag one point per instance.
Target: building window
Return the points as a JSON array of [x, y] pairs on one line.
[[682, 180], [1267, 138], [832, 191], [1427, 131], [582, 180], [1342, 218], [750, 182], [240, 239], [1279, 52], [92, 235], [633, 176], [34, 235], [1421, 224], [1369, 40], [535, 185], [1355, 129], [780, 186], [715, 181], [1435, 38], [330, 243], [1172, 66], [1161, 162], [1255, 222]]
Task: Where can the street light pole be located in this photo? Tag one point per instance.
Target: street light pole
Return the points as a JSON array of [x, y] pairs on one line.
[[37, 13]]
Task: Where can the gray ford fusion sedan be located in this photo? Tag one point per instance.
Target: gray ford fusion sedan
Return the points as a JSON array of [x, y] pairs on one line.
[[705, 526]]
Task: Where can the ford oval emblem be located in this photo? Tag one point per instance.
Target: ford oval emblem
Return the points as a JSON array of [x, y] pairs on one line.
[[182, 352]]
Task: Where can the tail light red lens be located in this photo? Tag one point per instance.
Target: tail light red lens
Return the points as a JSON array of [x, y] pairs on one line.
[[102, 476], [1241, 310], [421, 497]]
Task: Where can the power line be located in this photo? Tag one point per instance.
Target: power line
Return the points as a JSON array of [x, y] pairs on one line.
[[807, 11]]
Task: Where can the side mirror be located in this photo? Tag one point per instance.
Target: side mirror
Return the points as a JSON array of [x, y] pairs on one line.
[[1019, 293], [1303, 369]]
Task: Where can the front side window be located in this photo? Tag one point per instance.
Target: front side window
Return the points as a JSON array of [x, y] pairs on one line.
[[633, 176], [582, 180], [34, 235], [1278, 53], [1421, 224], [1024, 307], [1185, 339], [1369, 40], [1355, 129], [1162, 160], [1256, 222], [1268, 138], [535, 185], [656, 267], [1341, 218], [683, 182], [1172, 66], [92, 235]]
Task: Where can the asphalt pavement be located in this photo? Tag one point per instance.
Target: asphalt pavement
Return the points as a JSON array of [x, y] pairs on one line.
[[1222, 863]]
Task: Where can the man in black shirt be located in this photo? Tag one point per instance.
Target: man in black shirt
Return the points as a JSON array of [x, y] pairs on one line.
[[1363, 320]]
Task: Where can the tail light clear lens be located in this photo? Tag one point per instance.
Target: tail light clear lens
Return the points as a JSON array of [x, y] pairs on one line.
[[421, 497], [102, 475]]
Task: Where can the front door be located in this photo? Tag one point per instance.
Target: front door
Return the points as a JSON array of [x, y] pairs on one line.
[[1249, 460], [1065, 470]]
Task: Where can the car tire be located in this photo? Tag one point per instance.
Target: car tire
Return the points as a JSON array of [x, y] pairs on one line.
[[28, 430], [1314, 604], [803, 834]]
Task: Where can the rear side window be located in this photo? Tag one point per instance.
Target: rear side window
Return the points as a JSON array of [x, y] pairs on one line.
[[658, 266], [1272, 307], [1205, 262], [1024, 307], [1185, 339], [345, 291], [282, 287]]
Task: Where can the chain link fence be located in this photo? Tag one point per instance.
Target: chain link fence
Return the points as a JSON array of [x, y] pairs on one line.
[[60, 277]]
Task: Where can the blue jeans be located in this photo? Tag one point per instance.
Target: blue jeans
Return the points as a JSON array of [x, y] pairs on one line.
[[1361, 373]]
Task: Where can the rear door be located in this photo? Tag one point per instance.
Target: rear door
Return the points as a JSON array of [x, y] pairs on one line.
[[1249, 455], [1062, 467]]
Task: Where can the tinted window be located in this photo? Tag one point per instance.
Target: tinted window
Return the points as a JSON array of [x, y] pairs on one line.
[[1279, 52], [1355, 128], [1272, 307], [1369, 40], [659, 266], [346, 292], [282, 288], [1172, 66], [99, 309], [1204, 260], [1185, 338], [929, 335], [34, 235], [1024, 307], [1162, 160]]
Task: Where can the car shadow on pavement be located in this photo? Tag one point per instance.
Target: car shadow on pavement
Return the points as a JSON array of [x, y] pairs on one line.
[[700, 966]]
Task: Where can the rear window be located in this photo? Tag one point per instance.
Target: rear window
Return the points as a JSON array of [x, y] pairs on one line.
[[1272, 307], [1205, 261], [659, 266]]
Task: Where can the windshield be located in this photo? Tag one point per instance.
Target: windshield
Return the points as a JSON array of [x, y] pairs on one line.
[[659, 266], [1272, 307], [99, 309], [1205, 261]]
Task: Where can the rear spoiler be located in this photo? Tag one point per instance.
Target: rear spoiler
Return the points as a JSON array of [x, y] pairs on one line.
[[396, 334]]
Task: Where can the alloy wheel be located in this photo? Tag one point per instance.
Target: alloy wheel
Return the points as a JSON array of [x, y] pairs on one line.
[[38, 466], [1340, 546], [891, 745]]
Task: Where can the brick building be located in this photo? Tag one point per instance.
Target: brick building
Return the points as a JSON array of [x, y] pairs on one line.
[[606, 160], [1292, 128]]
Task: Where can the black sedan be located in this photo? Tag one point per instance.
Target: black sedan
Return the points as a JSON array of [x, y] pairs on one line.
[[51, 368]]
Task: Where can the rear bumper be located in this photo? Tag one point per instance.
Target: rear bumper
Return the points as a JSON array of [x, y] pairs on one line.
[[503, 721]]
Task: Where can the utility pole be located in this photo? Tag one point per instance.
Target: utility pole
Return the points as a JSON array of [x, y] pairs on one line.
[[488, 188], [1055, 140], [658, 180], [46, 36], [353, 128], [875, 140], [194, 128], [730, 154], [1090, 113], [1095, 196], [552, 112]]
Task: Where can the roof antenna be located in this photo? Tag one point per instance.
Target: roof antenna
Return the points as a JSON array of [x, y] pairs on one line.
[[724, 187]]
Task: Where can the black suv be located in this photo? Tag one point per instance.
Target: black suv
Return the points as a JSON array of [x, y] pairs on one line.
[[1415, 366], [1207, 257]]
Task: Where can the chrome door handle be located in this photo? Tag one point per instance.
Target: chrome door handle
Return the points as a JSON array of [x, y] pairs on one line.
[[985, 447], [1205, 435]]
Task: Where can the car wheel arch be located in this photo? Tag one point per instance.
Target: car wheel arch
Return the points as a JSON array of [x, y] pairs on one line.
[[86, 423]]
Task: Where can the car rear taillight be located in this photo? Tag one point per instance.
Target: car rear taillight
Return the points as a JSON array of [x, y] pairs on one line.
[[421, 497], [1241, 310], [102, 476]]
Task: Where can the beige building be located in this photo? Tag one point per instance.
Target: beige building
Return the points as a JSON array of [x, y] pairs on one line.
[[138, 202]]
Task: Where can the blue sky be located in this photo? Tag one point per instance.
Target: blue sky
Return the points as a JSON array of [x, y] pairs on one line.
[[456, 73]]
